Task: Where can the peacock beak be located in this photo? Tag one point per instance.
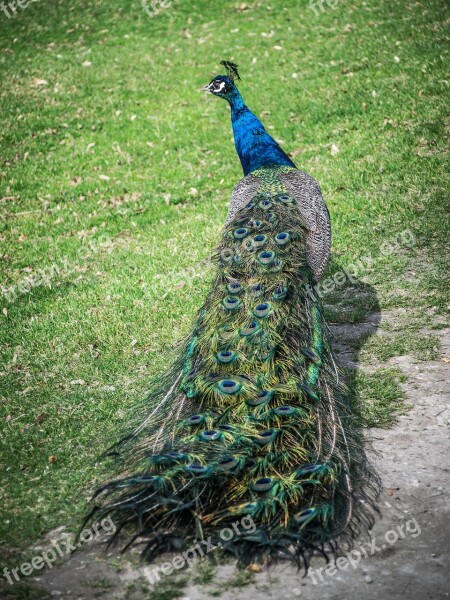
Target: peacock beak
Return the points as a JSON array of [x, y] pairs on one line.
[[206, 88]]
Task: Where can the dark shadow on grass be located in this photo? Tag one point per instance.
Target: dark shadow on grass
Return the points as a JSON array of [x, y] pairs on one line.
[[353, 313]]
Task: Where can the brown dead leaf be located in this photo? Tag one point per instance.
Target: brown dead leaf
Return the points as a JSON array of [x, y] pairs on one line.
[[52, 459], [41, 418]]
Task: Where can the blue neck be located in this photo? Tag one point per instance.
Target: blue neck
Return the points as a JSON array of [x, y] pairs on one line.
[[255, 147]]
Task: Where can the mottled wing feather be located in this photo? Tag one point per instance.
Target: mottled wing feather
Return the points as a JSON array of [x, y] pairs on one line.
[[244, 191], [313, 209]]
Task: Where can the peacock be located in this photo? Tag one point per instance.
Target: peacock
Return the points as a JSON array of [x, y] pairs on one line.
[[253, 420]]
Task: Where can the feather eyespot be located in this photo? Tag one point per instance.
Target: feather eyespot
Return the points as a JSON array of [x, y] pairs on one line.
[[265, 204], [226, 427], [280, 293], [255, 224], [259, 240], [234, 287], [262, 310], [276, 266], [304, 516], [210, 435], [284, 410], [266, 257], [195, 419], [263, 398], [266, 436], [226, 356], [282, 238], [263, 485], [197, 469], [309, 469], [169, 457], [257, 289], [231, 303], [250, 330], [240, 233], [229, 386], [227, 463], [285, 199]]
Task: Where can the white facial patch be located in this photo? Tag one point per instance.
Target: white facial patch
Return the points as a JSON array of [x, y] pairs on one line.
[[220, 88]]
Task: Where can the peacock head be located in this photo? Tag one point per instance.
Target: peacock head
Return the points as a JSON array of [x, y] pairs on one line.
[[223, 85]]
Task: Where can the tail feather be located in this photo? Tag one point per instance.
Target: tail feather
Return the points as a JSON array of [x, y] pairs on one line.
[[253, 419]]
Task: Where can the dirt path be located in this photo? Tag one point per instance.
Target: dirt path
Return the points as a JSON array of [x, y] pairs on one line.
[[412, 461]]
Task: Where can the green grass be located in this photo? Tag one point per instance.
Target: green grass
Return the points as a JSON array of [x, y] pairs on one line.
[[167, 589], [24, 591], [422, 347], [119, 174], [381, 395]]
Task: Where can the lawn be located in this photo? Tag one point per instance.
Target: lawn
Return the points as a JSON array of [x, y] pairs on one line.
[[115, 176]]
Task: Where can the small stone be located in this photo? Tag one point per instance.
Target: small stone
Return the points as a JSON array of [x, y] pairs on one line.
[[368, 579]]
